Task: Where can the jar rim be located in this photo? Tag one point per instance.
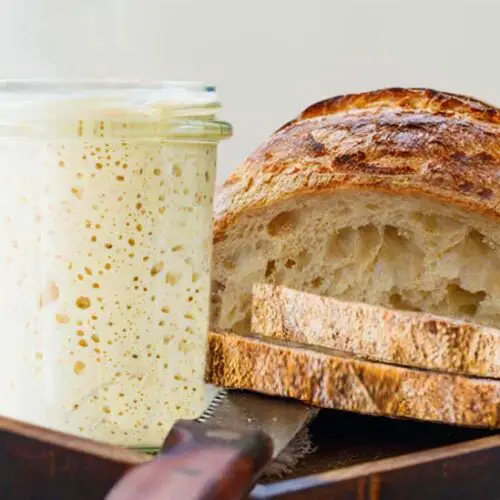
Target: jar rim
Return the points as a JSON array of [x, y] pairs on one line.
[[22, 84], [179, 94], [34, 102]]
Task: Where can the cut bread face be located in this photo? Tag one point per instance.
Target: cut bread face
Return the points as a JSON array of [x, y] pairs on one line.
[[406, 252], [336, 380], [419, 340]]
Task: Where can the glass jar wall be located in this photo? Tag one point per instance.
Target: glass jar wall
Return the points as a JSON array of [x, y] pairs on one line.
[[105, 242]]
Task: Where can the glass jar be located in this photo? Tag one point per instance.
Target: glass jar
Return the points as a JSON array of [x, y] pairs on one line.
[[105, 244]]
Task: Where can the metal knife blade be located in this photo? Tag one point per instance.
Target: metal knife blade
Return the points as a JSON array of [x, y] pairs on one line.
[[220, 454], [279, 418]]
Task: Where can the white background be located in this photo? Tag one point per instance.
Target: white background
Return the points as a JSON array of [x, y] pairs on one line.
[[268, 58]]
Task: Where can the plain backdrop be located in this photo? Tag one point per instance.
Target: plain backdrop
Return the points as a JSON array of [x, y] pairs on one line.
[[268, 58]]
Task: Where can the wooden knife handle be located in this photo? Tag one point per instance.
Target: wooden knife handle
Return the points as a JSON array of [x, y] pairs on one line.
[[198, 462]]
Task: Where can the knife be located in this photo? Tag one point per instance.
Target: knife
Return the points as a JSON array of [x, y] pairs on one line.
[[220, 455]]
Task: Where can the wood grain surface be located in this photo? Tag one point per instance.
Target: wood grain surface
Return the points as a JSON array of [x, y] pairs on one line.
[[357, 457], [39, 464], [199, 462]]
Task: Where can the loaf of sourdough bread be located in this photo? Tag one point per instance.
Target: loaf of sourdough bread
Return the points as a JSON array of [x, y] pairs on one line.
[[389, 197], [335, 380], [373, 332]]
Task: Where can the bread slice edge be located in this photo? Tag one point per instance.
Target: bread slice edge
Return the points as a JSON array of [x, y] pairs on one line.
[[420, 340], [342, 382]]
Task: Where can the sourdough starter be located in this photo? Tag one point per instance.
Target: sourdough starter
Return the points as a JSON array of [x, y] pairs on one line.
[[104, 257]]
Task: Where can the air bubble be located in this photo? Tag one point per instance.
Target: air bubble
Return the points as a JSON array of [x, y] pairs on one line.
[[79, 367], [83, 302], [62, 319], [157, 268], [172, 278]]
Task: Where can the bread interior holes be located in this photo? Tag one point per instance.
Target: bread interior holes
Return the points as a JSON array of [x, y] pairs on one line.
[[463, 301], [398, 252], [343, 243], [243, 326], [396, 301], [303, 259], [283, 223], [270, 267]]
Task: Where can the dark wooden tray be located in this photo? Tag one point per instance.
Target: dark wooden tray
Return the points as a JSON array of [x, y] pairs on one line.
[[357, 457], [375, 458]]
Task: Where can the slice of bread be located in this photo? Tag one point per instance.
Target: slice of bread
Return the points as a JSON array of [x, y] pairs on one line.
[[390, 198], [336, 380], [419, 340]]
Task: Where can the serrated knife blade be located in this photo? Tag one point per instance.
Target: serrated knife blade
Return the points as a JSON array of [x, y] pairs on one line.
[[220, 455], [279, 418]]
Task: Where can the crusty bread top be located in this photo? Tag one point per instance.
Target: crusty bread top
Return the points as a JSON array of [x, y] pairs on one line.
[[405, 141], [413, 99]]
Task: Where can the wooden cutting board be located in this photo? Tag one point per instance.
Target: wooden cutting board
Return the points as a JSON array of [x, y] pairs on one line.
[[375, 458], [357, 457], [45, 465]]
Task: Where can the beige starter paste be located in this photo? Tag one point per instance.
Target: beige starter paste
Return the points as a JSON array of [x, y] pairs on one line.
[[104, 257]]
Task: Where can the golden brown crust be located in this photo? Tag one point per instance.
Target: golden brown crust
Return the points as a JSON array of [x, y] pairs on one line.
[[406, 98], [345, 383], [406, 141], [404, 338]]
